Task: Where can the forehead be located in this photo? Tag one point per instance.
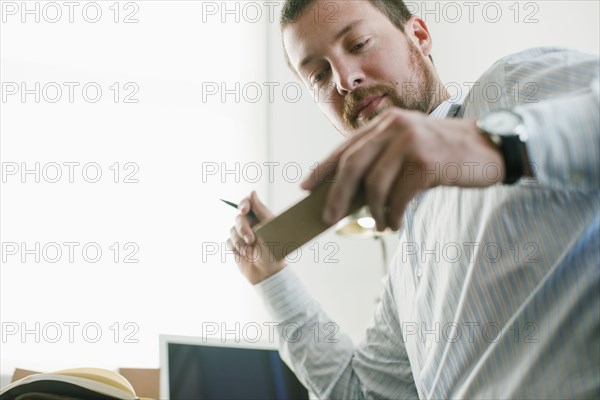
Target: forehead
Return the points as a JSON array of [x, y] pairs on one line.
[[321, 23]]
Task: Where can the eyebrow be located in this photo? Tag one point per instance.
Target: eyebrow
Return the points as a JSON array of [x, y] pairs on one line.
[[337, 37]]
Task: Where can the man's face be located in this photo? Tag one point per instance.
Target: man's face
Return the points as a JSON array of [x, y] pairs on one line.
[[357, 62]]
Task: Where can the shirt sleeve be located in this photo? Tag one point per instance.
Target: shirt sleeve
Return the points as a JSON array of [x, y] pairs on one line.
[[560, 105], [325, 360]]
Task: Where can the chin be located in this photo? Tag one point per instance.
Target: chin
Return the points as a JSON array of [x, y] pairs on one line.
[[363, 121], [368, 118]]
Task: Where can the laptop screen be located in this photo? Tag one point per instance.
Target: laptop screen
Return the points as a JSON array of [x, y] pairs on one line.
[[215, 372]]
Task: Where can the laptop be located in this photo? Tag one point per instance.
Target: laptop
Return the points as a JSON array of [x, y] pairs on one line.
[[206, 368]]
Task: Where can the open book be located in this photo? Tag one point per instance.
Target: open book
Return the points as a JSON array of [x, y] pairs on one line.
[[72, 384]]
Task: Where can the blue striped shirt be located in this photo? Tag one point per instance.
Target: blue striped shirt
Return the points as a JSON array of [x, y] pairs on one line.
[[493, 292]]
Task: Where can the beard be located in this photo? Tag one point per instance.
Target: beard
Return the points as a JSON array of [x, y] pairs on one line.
[[416, 95]]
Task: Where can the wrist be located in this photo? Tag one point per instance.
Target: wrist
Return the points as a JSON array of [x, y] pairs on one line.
[[262, 275], [486, 156], [506, 130], [490, 156]]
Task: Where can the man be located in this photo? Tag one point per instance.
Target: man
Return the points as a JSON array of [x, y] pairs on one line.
[[513, 310]]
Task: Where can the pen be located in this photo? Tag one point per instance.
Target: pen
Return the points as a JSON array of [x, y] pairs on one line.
[[234, 205]]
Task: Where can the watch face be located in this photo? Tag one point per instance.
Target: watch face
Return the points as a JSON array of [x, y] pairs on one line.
[[501, 122]]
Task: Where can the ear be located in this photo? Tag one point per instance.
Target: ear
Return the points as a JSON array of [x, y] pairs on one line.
[[417, 31]]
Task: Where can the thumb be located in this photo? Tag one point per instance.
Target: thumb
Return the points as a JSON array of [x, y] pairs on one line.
[[260, 210]]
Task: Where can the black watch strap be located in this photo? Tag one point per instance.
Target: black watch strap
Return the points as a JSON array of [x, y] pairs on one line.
[[513, 152]]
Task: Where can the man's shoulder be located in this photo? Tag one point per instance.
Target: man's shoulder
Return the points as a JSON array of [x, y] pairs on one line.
[[537, 57], [529, 75], [534, 53]]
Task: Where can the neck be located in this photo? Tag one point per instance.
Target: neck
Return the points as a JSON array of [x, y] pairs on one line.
[[439, 96]]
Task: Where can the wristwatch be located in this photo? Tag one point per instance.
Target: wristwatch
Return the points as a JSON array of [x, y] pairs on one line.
[[506, 130]]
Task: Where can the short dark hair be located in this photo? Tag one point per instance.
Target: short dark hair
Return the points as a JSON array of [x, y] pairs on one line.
[[395, 10]]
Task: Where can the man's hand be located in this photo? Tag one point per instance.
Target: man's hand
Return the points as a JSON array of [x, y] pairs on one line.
[[251, 254], [401, 153]]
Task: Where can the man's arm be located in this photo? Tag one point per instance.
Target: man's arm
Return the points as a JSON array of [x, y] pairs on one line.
[[560, 105], [401, 153], [327, 362]]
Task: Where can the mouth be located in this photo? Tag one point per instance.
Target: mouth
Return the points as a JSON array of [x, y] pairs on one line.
[[367, 106]]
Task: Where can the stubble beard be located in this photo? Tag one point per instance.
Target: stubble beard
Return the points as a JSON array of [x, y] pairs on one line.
[[417, 95]]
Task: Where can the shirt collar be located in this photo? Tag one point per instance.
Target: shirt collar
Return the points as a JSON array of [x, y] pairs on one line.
[[447, 109]]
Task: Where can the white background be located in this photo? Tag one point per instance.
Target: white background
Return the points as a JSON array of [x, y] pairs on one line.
[[173, 136]]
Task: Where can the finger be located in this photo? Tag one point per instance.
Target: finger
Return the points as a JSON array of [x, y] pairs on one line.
[[380, 179], [260, 209], [239, 244], [245, 208], [244, 205], [387, 188], [327, 168], [323, 171], [243, 228], [233, 247], [405, 188], [236, 254], [353, 166]]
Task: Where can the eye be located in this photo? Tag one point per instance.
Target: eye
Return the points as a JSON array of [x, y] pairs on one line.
[[320, 77], [359, 46]]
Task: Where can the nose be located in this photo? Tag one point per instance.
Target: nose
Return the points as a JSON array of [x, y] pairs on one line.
[[348, 77]]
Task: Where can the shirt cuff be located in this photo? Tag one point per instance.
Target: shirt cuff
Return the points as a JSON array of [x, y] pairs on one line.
[[284, 295], [560, 133]]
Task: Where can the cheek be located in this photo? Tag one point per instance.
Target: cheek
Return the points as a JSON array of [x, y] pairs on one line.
[[391, 66], [330, 102]]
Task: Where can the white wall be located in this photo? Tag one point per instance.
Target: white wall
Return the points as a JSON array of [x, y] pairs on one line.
[[463, 50], [170, 135]]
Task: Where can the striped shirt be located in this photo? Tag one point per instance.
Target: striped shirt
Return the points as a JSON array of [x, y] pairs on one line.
[[493, 292]]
